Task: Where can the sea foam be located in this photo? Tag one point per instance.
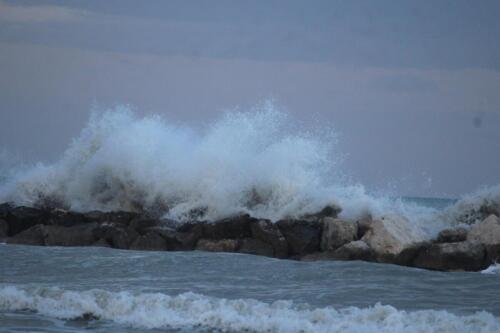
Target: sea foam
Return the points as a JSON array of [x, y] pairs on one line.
[[189, 310], [254, 162]]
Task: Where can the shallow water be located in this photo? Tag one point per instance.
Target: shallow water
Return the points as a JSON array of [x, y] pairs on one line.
[[45, 289]]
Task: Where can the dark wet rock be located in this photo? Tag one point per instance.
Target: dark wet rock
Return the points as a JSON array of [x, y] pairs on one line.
[[269, 233], [65, 218], [5, 209], [101, 243], [81, 235], [257, 247], [123, 218], [4, 229], [22, 218], [220, 245], [389, 236], [302, 236], [452, 235], [234, 227], [337, 232], [32, 236], [188, 235], [118, 236], [144, 224], [331, 210], [151, 241], [467, 256]]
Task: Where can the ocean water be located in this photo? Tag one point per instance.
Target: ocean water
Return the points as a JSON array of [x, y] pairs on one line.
[[256, 162], [46, 289]]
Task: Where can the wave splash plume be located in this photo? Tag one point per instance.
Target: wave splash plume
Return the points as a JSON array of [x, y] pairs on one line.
[[189, 310], [246, 162]]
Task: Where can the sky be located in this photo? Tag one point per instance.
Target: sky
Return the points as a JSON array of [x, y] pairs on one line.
[[411, 87]]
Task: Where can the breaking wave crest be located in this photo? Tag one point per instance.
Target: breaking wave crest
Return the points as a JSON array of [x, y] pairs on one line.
[[191, 310], [247, 162]]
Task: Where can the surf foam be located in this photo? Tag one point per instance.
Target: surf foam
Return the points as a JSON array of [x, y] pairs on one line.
[[191, 310], [253, 162]]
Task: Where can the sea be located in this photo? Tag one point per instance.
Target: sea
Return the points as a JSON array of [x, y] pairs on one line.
[[54, 289], [254, 162]]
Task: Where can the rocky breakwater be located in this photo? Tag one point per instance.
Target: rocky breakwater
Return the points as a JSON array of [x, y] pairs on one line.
[[323, 236]]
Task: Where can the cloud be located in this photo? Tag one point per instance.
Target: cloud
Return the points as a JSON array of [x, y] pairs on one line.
[[39, 14]]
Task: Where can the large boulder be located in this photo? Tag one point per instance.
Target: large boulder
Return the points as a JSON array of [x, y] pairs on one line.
[[389, 236], [256, 246], [219, 245], [331, 210], [22, 218], [269, 233], [150, 241], [463, 256], [452, 235], [233, 227], [32, 236], [118, 217], [356, 250], [80, 235], [487, 232], [302, 236], [4, 229], [116, 235], [337, 232], [61, 217]]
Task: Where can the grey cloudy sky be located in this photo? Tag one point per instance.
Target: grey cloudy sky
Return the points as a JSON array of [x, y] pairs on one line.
[[413, 87]]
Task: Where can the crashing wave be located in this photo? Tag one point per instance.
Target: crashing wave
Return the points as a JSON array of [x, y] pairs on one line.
[[189, 310], [254, 162]]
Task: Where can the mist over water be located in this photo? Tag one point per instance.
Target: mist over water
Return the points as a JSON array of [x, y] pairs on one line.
[[259, 162]]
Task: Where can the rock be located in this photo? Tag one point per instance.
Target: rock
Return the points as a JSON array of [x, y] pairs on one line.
[[487, 232], [151, 241], [389, 236], [257, 247], [118, 236], [331, 210], [4, 229], [144, 224], [187, 236], [80, 235], [234, 228], [302, 236], [101, 243], [364, 224], [356, 250], [268, 232], [5, 209], [64, 218], [336, 233], [119, 217], [452, 235], [22, 218], [32, 236], [467, 256], [221, 245]]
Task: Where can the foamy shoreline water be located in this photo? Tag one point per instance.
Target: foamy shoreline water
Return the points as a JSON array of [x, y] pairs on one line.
[[190, 310]]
